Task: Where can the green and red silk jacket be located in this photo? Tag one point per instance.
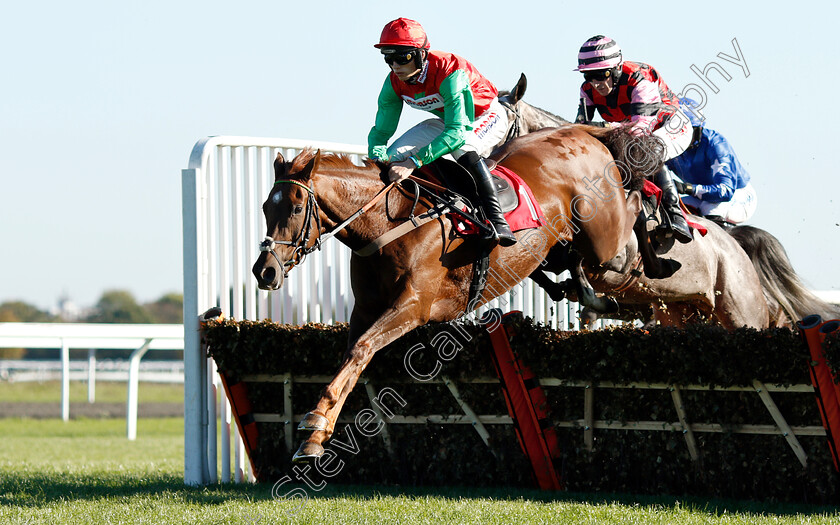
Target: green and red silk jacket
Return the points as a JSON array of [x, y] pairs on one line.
[[641, 99], [450, 87]]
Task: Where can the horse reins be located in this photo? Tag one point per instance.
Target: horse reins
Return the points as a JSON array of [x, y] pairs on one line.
[[302, 238], [513, 130]]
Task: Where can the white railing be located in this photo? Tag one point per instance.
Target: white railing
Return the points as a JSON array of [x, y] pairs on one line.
[[63, 336], [93, 369]]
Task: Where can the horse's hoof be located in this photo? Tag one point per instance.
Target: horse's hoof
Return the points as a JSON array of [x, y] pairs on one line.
[[313, 421], [667, 268], [308, 452]]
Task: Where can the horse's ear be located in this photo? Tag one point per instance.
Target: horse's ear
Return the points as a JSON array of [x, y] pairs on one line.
[[279, 166], [311, 166], [518, 90]]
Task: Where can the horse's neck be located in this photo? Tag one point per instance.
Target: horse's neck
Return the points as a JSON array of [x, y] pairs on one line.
[[341, 193], [537, 118]]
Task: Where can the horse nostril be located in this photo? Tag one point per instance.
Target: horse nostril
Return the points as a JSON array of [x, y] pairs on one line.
[[268, 275]]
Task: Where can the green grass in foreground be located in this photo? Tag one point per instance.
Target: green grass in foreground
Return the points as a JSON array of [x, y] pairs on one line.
[[106, 392], [86, 472]]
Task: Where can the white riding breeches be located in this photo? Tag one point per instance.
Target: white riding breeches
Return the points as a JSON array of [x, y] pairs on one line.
[[488, 130], [736, 210]]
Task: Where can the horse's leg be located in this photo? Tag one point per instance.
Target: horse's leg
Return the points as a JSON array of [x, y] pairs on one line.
[[588, 317], [578, 283], [586, 294], [402, 317], [654, 266], [556, 291], [558, 260]]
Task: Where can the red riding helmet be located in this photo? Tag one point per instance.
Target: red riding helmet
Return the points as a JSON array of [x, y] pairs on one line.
[[403, 32]]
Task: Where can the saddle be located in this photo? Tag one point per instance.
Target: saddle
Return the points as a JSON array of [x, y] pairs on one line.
[[458, 180], [452, 190], [517, 202]]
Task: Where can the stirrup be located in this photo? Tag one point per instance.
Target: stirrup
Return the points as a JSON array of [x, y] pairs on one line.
[[504, 238]]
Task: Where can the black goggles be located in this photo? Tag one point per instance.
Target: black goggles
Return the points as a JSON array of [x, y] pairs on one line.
[[401, 58], [598, 75]]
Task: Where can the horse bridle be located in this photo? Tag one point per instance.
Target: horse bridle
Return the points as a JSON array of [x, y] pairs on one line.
[[302, 238], [514, 129]]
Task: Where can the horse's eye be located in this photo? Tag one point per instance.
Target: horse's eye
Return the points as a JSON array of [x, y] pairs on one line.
[[298, 209]]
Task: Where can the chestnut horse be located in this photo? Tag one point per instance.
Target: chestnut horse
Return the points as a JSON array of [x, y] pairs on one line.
[[425, 275]]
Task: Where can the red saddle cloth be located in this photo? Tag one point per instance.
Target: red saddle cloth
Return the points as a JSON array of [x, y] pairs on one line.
[[527, 213], [650, 189]]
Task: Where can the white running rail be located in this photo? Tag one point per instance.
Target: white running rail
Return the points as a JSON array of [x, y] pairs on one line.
[[91, 336]]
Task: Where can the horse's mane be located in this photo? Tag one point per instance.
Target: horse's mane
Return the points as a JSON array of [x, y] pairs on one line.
[[535, 117], [545, 114], [339, 161], [642, 154]]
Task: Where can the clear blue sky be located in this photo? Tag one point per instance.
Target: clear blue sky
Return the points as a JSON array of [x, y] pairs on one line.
[[103, 101]]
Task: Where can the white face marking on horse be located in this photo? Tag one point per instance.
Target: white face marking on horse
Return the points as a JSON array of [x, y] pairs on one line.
[[276, 198]]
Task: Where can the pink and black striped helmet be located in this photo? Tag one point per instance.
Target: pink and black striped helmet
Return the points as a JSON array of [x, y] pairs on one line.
[[599, 52]]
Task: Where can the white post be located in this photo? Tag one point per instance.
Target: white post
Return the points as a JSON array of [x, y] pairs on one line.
[[65, 381], [211, 428], [195, 375], [225, 417], [91, 375], [239, 457], [133, 380]]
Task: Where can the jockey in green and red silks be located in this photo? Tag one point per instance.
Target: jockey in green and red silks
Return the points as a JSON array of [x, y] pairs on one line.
[[635, 95], [469, 120]]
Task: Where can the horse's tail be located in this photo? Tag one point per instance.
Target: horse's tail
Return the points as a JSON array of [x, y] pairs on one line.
[[636, 156], [780, 282]]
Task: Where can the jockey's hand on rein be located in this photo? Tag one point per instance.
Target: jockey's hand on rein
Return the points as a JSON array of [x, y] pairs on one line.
[[684, 188], [401, 170]]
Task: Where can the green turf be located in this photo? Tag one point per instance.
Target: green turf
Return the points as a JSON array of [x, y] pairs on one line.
[[106, 392], [86, 472]]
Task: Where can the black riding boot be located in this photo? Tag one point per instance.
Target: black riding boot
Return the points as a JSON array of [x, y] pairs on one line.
[[487, 194], [673, 215]]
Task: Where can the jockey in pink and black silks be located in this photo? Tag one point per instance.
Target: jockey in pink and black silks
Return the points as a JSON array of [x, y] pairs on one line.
[[468, 119], [635, 95], [640, 98]]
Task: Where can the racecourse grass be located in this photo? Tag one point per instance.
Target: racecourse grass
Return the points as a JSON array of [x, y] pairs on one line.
[[85, 472], [105, 392]]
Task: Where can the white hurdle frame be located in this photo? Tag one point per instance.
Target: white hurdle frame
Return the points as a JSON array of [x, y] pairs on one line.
[[223, 188]]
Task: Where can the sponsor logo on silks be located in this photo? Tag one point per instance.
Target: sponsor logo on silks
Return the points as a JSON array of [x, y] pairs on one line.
[[425, 103], [486, 125]]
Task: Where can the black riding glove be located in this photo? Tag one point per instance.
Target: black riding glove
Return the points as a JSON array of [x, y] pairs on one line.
[[684, 188]]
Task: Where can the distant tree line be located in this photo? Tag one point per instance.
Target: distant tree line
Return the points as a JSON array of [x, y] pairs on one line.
[[114, 306]]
